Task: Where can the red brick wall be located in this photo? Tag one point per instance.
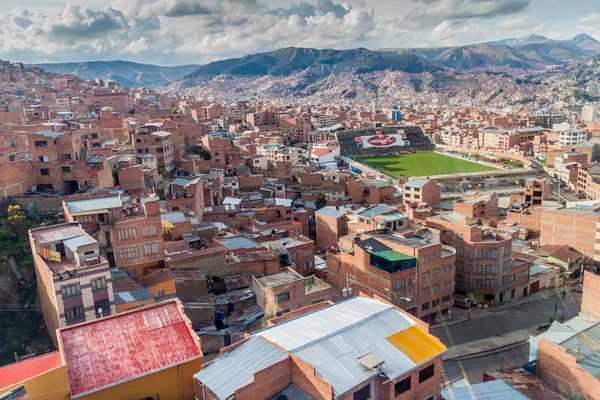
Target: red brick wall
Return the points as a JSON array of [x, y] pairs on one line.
[[303, 376], [299, 312], [268, 382], [16, 178], [560, 370], [590, 301]]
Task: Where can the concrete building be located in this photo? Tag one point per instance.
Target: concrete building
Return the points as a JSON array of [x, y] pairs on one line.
[[384, 354], [287, 291], [589, 113], [485, 272], [74, 281], [572, 137], [565, 167]]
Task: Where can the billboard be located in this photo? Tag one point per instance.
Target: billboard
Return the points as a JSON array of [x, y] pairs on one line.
[[381, 141]]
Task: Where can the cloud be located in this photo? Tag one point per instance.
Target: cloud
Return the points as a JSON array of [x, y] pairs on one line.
[[439, 10]]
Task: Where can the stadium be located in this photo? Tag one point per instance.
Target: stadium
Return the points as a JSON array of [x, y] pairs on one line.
[[402, 150]]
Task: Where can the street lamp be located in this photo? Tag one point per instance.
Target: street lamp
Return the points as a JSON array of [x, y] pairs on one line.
[[396, 297]]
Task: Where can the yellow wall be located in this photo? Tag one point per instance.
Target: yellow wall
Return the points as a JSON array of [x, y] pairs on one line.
[[132, 305], [52, 385], [167, 286], [165, 383]]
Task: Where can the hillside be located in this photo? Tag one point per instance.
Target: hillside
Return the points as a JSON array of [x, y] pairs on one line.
[[125, 73], [317, 63], [585, 72]]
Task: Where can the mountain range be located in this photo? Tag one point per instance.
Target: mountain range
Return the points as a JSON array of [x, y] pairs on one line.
[[530, 52], [125, 73]]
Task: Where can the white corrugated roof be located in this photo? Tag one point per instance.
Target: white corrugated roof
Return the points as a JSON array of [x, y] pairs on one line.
[[237, 368], [492, 390], [73, 243], [101, 203]]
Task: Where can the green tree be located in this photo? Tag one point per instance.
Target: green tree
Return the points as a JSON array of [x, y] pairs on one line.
[[320, 200]]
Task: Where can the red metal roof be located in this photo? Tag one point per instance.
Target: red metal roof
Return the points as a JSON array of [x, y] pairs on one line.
[[23, 370], [112, 349]]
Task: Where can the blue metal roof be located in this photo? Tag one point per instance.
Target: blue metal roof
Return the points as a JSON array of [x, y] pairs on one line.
[[417, 183], [134, 295]]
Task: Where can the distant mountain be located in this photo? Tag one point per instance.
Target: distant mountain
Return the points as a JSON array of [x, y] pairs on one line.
[[528, 54], [586, 42], [533, 38], [317, 64], [125, 73], [585, 72]]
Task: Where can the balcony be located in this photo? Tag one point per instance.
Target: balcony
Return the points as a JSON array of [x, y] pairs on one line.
[[448, 251]]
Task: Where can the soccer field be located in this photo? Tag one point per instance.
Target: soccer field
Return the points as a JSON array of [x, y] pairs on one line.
[[422, 164]]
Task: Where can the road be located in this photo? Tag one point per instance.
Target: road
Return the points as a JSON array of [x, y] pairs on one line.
[[524, 316], [475, 367]]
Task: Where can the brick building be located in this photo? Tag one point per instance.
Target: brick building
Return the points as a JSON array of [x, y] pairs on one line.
[[476, 205], [287, 291], [74, 282], [412, 264], [331, 224], [422, 191], [149, 140], [186, 195], [384, 354], [484, 269]]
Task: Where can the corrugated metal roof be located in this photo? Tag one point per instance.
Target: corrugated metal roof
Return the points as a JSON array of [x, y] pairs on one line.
[[56, 233], [23, 370], [112, 349], [330, 211], [237, 368], [585, 347], [492, 390], [376, 210], [283, 202], [173, 217], [239, 243], [416, 183], [73, 243], [134, 295], [101, 203]]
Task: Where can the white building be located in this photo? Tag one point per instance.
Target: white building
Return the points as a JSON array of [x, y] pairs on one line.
[[588, 113], [572, 137], [325, 157]]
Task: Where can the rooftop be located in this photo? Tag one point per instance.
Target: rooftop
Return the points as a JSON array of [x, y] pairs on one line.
[[376, 210], [56, 233], [417, 183], [103, 352], [279, 279], [239, 242], [492, 390], [78, 207], [20, 371], [585, 347]]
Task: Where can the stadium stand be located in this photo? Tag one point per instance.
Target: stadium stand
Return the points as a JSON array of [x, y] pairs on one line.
[[415, 140]]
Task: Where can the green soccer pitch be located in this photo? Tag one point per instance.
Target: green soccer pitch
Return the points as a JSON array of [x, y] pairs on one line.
[[422, 164]]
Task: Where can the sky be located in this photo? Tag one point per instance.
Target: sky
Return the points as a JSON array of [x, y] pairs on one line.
[[175, 32]]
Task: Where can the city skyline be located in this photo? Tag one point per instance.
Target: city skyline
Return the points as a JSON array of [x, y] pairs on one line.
[[174, 32]]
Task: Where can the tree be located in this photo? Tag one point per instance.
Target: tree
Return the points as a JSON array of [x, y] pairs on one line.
[[17, 221], [320, 200]]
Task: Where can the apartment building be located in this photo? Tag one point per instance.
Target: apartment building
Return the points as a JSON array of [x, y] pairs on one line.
[[331, 224], [422, 191], [476, 205], [536, 190], [287, 291], [564, 166], [379, 217], [186, 194], [293, 358], [485, 271], [572, 137], [149, 140], [74, 282], [588, 180], [412, 265], [130, 232], [297, 249]]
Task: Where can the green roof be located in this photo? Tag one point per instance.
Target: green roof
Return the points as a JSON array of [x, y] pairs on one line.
[[392, 255]]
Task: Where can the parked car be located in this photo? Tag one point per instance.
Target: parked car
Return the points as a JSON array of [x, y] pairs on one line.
[[578, 288]]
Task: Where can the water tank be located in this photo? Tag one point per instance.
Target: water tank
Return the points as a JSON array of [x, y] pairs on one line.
[[344, 292]]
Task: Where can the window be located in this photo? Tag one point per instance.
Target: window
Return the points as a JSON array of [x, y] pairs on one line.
[[149, 230], [435, 303], [523, 274], [98, 283], [41, 143], [43, 159], [446, 284], [363, 394], [280, 313], [436, 272], [402, 386], [491, 269], [128, 253], [425, 306], [231, 215], [459, 279], [460, 251], [491, 254], [129, 233], [425, 275], [446, 299], [476, 283], [160, 293], [476, 269], [460, 237], [361, 220], [151, 248], [505, 279], [506, 251], [398, 285], [552, 281], [44, 172], [282, 297], [425, 260], [460, 266], [476, 254], [435, 287], [66, 156], [447, 268], [435, 256], [426, 290], [12, 144], [74, 313], [72, 289], [307, 252], [512, 278], [131, 272], [448, 234], [308, 265], [490, 283], [64, 168], [505, 265], [426, 373], [411, 281], [103, 305], [84, 218]]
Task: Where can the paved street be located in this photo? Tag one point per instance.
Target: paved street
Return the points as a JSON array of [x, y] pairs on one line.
[[474, 368], [524, 316]]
